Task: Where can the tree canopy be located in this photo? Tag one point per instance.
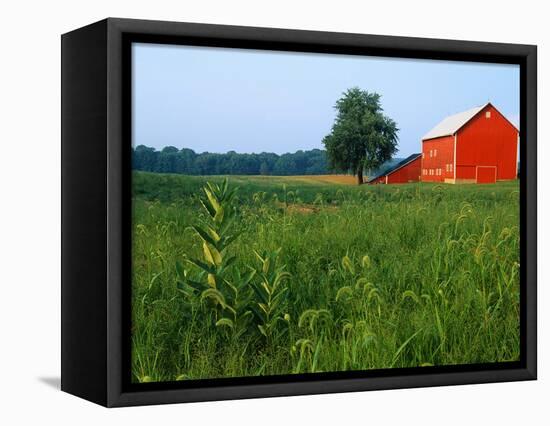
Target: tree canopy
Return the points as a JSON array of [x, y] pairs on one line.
[[362, 137], [187, 161]]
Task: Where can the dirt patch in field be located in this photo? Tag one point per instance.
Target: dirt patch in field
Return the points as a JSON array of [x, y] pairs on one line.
[[305, 208], [298, 208], [302, 209]]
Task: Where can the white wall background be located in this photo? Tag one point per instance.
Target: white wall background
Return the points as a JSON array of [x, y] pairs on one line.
[[30, 210]]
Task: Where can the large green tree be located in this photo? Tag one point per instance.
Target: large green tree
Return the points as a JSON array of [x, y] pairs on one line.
[[362, 137]]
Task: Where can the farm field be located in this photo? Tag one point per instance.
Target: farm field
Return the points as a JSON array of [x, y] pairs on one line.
[[317, 275], [329, 179]]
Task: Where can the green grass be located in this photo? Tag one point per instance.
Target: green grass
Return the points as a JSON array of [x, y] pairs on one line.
[[378, 277]]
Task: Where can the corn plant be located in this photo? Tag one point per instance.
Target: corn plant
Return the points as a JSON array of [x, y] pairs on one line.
[[228, 298], [270, 290]]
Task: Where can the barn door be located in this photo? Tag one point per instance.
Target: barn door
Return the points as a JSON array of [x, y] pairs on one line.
[[486, 174]]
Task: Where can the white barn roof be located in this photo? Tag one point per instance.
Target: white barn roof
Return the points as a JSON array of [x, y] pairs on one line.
[[452, 123]]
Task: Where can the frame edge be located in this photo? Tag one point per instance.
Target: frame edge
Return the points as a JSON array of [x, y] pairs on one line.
[[116, 396], [83, 219]]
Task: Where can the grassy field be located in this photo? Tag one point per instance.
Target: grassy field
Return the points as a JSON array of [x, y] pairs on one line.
[[334, 179], [304, 275]]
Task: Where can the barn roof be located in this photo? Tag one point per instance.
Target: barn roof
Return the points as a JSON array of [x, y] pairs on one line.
[[395, 167], [450, 125]]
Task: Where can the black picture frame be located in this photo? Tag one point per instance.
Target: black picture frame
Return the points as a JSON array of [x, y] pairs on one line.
[[95, 288]]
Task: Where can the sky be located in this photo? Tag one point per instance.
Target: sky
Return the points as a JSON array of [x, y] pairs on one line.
[[222, 99]]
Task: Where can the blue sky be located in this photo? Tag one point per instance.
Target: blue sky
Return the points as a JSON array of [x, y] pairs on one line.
[[218, 99]]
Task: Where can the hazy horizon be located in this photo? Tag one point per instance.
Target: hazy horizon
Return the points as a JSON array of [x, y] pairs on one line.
[[218, 100]]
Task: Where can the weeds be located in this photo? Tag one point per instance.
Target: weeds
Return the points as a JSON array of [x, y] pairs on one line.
[[368, 278]]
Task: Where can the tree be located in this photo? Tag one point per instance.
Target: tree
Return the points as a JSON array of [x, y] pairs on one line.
[[285, 165], [145, 158], [362, 137], [186, 162], [264, 169], [167, 159]]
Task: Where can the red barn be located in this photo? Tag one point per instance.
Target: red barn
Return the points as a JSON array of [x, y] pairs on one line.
[[475, 146], [407, 170]]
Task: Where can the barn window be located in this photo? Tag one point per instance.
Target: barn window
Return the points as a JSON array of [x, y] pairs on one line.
[[422, 155], [488, 114], [431, 152], [435, 152]]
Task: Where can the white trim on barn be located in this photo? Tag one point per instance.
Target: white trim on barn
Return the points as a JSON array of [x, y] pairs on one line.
[[454, 160]]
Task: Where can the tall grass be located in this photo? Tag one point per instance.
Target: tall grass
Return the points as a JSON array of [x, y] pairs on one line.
[[374, 277]]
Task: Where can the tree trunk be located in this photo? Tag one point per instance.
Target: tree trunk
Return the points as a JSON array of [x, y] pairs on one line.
[[360, 175]]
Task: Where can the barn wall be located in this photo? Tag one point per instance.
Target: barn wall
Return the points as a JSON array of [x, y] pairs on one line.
[[408, 173], [486, 174], [487, 142], [466, 172], [442, 155]]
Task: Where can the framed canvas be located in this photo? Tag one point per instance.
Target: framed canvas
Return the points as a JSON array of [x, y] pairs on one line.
[[255, 212]]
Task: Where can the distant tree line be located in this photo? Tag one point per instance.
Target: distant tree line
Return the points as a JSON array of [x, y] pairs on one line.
[[187, 161]]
